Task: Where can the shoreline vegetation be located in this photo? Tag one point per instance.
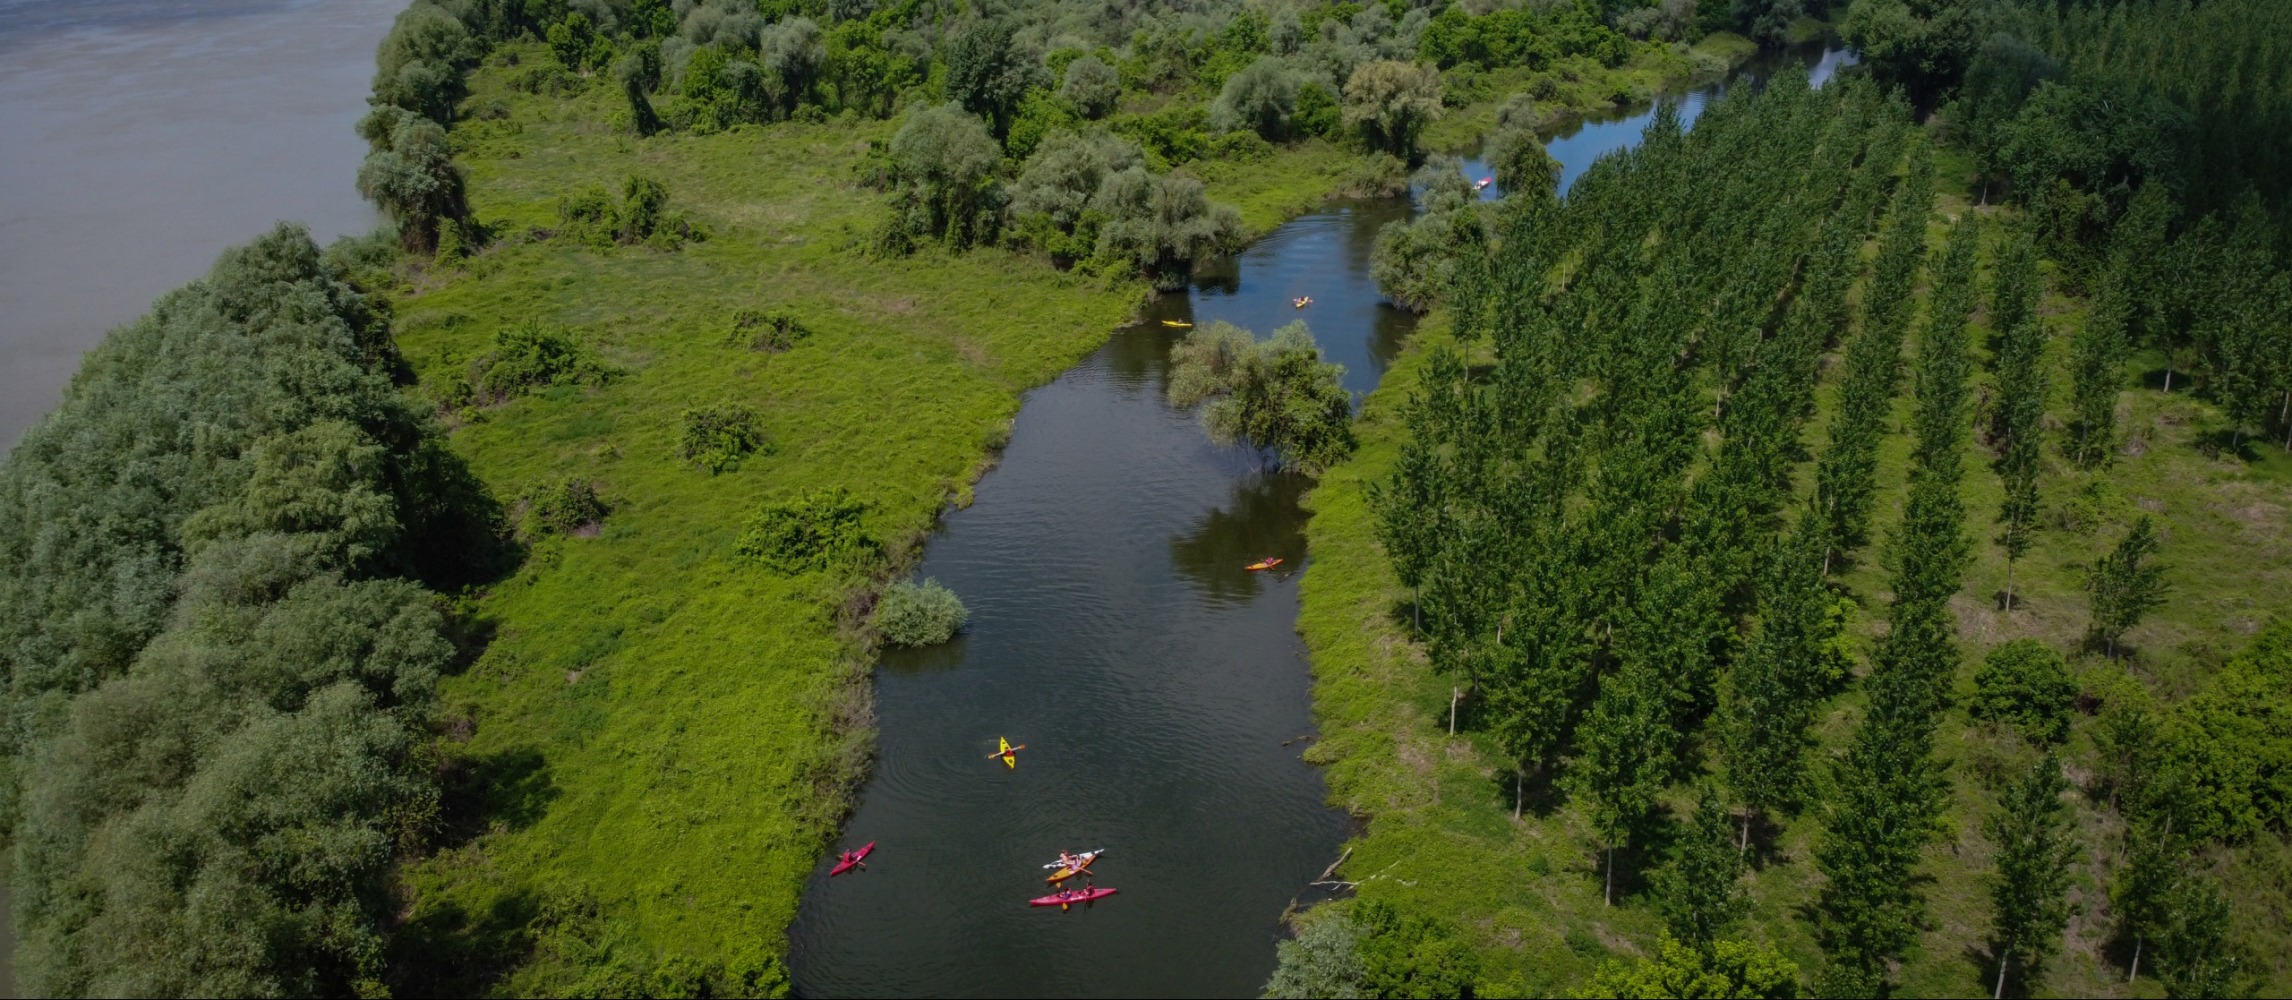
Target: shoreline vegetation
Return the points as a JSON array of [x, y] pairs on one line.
[[698, 315]]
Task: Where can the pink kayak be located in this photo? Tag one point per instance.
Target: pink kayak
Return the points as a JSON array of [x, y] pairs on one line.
[[852, 859], [1062, 900]]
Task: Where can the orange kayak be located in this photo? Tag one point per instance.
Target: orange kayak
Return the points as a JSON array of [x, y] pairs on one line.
[[1268, 562], [1063, 874]]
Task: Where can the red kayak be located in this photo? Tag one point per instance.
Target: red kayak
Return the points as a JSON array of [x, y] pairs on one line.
[[852, 859], [1062, 900]]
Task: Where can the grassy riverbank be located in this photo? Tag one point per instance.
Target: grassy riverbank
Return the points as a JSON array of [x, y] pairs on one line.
[[1441, 839], [657, 745]]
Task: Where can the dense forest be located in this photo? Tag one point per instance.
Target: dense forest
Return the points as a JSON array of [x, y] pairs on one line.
[[1781, 521]]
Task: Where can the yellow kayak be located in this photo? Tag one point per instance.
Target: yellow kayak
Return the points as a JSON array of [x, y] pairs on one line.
[[1009, 753], [1177, 324]]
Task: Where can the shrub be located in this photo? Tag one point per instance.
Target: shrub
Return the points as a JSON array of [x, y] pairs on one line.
[[2025, 684], [1316, 112], [1091, 86], [531, 357], [718, 437], [559, 507], [774, 331], [925, 615], [814, 531]]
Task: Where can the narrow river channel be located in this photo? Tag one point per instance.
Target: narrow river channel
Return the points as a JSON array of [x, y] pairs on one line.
[[1160, 689]]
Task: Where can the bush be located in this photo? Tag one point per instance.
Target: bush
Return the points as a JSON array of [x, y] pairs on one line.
[[531, 357], [774, 331], [1091, 86], [814, 531], [1316, 112], [1276, 394], [2025, 684], [559, 507], [925, 615], [718, 437]]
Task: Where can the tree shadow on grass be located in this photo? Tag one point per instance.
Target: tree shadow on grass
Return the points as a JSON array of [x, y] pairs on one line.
[[449, 951], [509, 790]]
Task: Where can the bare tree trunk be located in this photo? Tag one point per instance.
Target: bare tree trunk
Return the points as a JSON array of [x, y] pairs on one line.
[[1611, 892], [1745, 847], [1453, 694], [2002, 960], [2168, 378], [1516, 793], [2136, 973], [2009, 585]]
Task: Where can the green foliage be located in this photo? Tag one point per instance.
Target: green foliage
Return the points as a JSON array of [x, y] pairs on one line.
[[2230, 756], [1411, 955], [1091, 86], [1414, 260], [1737, 970], [1272, 394], [1317, 112], [1391, 102], [219, 682], [420, 62], [530, 357], [718, 437], [559, 507], [1324, 960], [816, 531], [1698, 889], [775, 331], [1846, 476], [924, 615], [1515, 149], [1258, 99], [2025, 684], [989, 74], [411, 176], [641, 216], [944, 163], [2123, 586], [1922, 45], [2029, 886], [1161, 226]]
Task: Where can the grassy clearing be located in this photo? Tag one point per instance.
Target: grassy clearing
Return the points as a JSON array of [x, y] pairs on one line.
[[653, 751], [659, 727], [1441, 838]]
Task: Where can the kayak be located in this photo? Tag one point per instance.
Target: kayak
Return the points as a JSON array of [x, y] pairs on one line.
[[1268, 562], [1064, 873], [1069, 897], [1177, 324], [1009, 753], [852, 859]]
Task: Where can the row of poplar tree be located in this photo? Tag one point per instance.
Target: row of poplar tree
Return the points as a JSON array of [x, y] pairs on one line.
[[1603, 530]]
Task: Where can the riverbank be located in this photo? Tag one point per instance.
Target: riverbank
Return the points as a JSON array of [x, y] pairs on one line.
[[661, 738], [1441, 840]]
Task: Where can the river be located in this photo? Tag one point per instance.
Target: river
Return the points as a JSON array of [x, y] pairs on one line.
[[1160, 689], [143, 138]]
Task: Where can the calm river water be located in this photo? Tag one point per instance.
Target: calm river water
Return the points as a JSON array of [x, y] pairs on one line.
[[142, 138], [1160, 689]]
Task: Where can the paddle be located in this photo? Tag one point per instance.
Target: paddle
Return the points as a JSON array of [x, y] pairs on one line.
[[1006, 753]]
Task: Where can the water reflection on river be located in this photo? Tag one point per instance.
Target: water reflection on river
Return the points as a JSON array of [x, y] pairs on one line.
[[143, 137]]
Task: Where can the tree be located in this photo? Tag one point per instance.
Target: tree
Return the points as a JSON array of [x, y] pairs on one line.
[[1391, 103], [1698, 891], [794, 52], [1924, 45], [1275, 394], [1091, 86], [2140, 892], [631, 72], [2124, 586], [944, 163], [1162, 226], [419, 65], [2096, 370], [1322, 961], [1769, 707], [988, 74], [2029, 884], [1738, 970], [2194, 956], [2021, 397], [1516, 150], [411, 176], [1257, 99], [2025, 684]]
